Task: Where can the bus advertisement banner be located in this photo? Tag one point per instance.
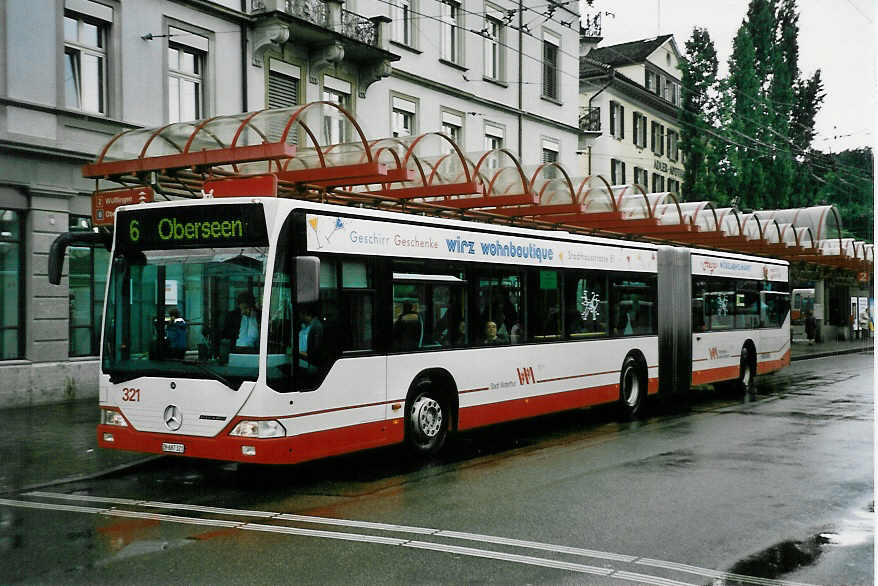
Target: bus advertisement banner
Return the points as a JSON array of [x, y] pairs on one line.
[[739, 268], [360, 236]]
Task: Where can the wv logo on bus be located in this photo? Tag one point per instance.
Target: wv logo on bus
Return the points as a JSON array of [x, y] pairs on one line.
[[526, 375], [713, 353]]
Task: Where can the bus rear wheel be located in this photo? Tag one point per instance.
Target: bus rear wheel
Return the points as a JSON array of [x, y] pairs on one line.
[[426, 420], [632, 388]]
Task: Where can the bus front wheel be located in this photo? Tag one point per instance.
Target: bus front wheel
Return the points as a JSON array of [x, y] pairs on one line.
[[632, 388], [426, 420]]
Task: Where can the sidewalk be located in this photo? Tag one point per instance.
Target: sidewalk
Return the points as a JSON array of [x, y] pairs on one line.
[[803, 351], [53, 444]]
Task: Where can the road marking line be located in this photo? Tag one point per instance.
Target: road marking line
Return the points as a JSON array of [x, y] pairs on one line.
[[717, 574], [370, 525], [647, 579], [537, 545], [510, 557]]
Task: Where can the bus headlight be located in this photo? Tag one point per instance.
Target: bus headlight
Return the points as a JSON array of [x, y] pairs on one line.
[[259, 429], [110, 417]]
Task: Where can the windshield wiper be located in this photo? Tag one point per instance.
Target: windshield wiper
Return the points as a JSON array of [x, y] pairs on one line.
[[214, 374]]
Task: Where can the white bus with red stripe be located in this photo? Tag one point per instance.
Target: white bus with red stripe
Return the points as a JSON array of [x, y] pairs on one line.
[[369, 328]]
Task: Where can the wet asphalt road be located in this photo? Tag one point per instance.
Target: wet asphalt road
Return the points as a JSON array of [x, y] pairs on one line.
[[717, 491]]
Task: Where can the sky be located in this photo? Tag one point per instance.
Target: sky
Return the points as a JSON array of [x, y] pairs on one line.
[[836, 36]]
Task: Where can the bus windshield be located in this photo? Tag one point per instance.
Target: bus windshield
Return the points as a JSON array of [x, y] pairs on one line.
[[191, 313]]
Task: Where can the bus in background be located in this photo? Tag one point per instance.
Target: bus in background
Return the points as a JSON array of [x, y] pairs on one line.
[[801, 304], [316, 329]]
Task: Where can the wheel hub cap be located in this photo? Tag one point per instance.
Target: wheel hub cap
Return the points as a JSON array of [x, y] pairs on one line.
[[427, 417]]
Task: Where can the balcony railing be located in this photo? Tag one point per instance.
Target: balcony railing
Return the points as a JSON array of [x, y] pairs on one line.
[[319, 12], [359, 28], [590, 119]]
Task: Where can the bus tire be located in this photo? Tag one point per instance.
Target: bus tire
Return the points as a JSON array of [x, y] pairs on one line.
[[427, 419], [632, 388]]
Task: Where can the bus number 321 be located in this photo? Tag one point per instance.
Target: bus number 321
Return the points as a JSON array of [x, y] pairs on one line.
[[131, 394]]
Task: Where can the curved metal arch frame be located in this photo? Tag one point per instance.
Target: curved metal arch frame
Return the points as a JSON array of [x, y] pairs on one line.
[[516, 167], [584, 195], [543, 167]]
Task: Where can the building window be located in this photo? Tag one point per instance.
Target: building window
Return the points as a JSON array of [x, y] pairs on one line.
[[88, 277], [617, 172], [85, 63], [641, 178], [494, 45], [673, 149], [185, 83], [402, 22], [652, 82], [335, 123], [639, 130], [449, 16], [617, 119], [452, 126], [658, 138], [550, 155], [403, 117], [658, 183], [283, 92], [674, 186], [551, 45], [494, 136], [11, 285]]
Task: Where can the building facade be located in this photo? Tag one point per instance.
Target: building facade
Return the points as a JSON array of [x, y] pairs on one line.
[[73, 73], [629, 106]]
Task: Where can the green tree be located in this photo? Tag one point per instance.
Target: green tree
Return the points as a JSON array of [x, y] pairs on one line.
[[698, 115], [745, 159]]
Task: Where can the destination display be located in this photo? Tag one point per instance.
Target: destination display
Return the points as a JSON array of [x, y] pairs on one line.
[[211, 225], [738, 269], [359, 236]]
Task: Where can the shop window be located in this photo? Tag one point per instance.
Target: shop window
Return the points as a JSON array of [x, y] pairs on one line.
[[11, 289], [88, 277]]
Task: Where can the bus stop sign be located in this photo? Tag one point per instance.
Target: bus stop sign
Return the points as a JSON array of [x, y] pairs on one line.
[[104, 203]]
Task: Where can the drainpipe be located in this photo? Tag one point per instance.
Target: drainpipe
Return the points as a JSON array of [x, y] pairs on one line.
[[520, 79], [244, 58]]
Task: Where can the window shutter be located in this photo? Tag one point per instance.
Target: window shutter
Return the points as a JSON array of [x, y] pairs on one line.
[[623, 173], [283, 92], [621, 121]]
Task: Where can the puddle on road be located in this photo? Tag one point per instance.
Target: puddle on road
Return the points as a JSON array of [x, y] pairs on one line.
[[858, 528], [777, 561]]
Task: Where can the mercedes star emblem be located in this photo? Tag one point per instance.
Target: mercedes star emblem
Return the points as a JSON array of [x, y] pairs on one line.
[[173, 417]]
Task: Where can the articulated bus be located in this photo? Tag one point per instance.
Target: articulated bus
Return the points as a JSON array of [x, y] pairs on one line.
[[279, 331]]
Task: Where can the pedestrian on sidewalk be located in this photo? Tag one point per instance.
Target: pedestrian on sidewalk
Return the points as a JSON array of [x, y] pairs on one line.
[[810, 327]]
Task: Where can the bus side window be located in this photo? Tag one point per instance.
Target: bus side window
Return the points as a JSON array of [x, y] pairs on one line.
[[633, 298], [585, 300]]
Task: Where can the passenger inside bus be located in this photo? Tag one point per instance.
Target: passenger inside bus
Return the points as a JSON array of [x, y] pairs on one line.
[[310, 341], [408, 329], [241, 326], [493, 336], [175, 334]]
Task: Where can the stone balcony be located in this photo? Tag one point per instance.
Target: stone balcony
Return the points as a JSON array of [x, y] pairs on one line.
[[331, 34]]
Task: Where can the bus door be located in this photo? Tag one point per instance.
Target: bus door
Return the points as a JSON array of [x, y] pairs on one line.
[[674, 319]]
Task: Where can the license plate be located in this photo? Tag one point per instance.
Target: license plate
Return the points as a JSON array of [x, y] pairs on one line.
[[173, 448]]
